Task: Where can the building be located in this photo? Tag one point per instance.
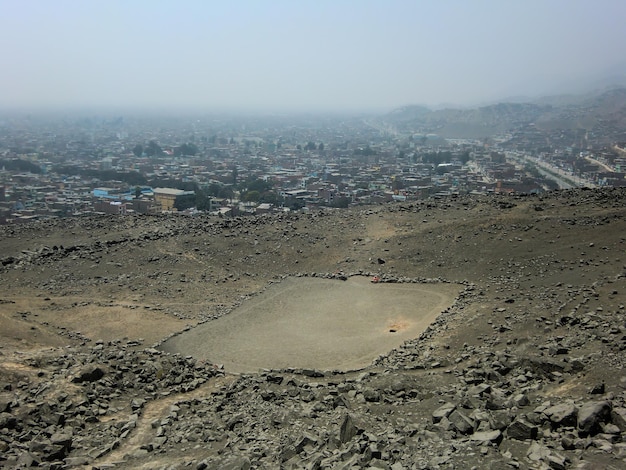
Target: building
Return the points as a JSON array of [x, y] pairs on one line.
[[145, 206], [170, 199], [110, 207]]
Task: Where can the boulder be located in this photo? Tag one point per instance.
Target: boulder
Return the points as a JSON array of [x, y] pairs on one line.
[[89, 373], [5, 405], [62, 438], [521, 430], [537, 452], [487, 436], [371, 395], [591, 416], [521, 399], [557, 462], [348, 429], [7, 421], [443, 412], [563, 414], [461, 422], [618, 418]]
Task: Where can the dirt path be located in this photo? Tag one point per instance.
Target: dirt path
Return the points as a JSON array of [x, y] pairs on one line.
[[144, 433]]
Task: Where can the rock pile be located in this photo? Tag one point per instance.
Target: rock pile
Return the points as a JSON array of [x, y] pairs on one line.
[[524, 370], [82, 402]]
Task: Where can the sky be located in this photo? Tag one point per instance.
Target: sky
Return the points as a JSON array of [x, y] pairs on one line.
[[301, 55]]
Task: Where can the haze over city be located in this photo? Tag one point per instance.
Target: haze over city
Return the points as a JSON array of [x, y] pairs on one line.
[[293, 56]]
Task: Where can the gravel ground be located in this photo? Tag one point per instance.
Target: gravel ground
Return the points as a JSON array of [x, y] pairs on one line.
[[325, 324], [520, 365]]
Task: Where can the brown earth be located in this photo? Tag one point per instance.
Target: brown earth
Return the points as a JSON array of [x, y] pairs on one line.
[[537, 287]]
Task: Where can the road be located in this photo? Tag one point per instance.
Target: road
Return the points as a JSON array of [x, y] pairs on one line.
[[599, 163], [564, 179]]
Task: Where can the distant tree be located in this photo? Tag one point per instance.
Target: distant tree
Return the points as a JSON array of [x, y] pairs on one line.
[[251, 196], [256, 190], [185, 202], [255, 184], [294, 204], [186, 149], [320, 147], [465, 157], [310, 146], [17, 164], [203, 202], [138, 150], [137, 192], [213, 189], [367, 151], [437, 157], [398, 183], [269, 197], [341, 202], [227, 192], [153, 149], [235, 175]]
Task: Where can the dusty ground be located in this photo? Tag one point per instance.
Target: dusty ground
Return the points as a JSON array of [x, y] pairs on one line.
[[325, 324], [527, 296]]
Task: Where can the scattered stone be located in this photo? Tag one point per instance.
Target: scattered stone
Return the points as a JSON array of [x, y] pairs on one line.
[[461, 422], [487, 436], [521, 430], [563, 414], [591, 416], [618, 418], [443, 412], [89, 373], [348, 429], [490, 371]]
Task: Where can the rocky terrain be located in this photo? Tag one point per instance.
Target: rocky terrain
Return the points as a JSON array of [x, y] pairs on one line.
[[524, 370]]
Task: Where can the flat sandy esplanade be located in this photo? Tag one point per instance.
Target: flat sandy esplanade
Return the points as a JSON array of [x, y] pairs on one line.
[[316, 323]]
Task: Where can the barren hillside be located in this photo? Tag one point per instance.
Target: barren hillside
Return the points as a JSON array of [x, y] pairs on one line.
[[523, 369]]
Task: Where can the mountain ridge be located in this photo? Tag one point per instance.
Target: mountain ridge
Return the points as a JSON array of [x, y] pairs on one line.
[[588, 111]]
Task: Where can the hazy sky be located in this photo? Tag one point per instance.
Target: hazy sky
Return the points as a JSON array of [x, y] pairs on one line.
[[299, 54]]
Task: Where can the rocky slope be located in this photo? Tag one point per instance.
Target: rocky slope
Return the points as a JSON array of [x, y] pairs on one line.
[[524, 370]]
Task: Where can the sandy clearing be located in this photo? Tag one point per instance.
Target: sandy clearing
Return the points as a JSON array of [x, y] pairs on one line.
[[31, 322], [317, 323]]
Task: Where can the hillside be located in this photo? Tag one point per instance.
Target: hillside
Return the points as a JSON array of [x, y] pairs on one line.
[[523, 369], [603, 112]]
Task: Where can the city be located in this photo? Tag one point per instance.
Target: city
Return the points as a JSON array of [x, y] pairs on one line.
[[70, 165], [313, 235]]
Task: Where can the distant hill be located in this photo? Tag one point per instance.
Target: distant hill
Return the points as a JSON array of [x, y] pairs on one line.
[[605, 109], [408, 113]]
